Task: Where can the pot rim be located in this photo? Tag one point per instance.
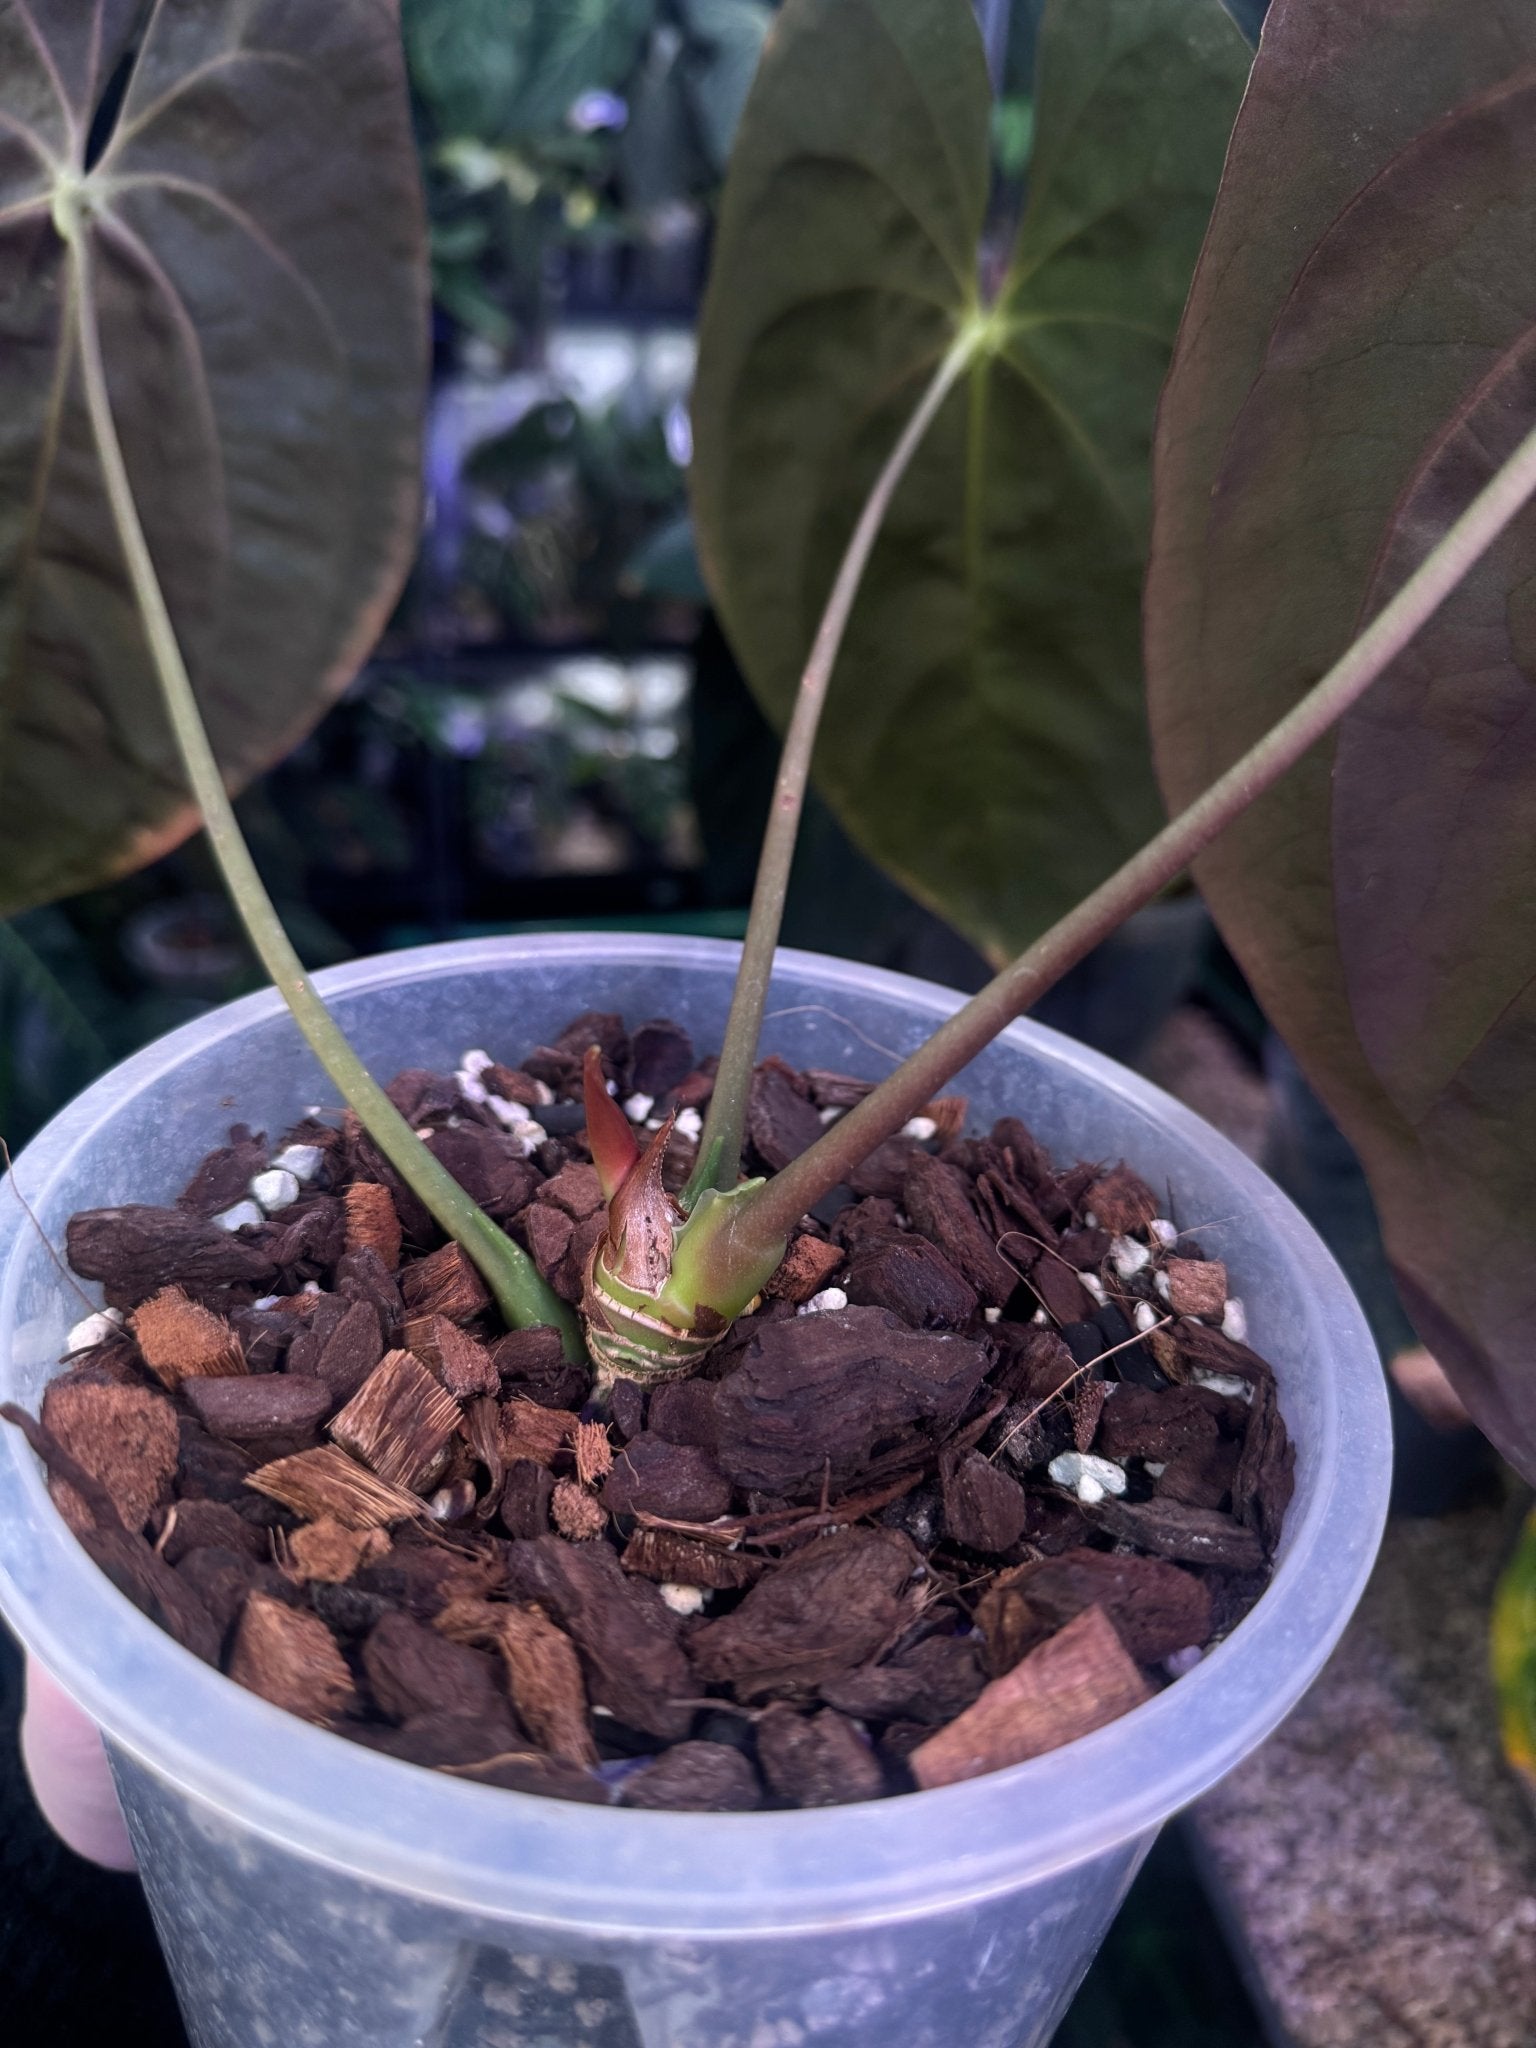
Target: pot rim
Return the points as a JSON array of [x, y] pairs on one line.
[[620, 1871]]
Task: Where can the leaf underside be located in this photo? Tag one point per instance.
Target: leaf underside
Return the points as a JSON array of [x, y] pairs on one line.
[[258, 247], [1358, 357], [984, 737]]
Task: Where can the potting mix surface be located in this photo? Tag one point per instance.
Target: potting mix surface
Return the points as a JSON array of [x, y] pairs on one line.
[[986, 1467]]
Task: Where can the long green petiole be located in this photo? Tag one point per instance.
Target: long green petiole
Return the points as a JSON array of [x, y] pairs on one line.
[[758, 1226], [719, 1159], [519, 1289]]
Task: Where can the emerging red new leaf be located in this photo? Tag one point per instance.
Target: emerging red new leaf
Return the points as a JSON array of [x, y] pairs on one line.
[[642, 1216], [614, 1150]]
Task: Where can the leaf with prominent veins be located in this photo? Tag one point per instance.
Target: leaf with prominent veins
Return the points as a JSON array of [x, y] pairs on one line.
[[256, 228], [984, 737]]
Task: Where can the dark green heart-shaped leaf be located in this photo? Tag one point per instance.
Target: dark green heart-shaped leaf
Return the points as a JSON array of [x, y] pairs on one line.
[[1358, 356], [984, 737], [256, 233]]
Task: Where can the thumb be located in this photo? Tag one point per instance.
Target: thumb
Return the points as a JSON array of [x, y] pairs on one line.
[[67, 1765]]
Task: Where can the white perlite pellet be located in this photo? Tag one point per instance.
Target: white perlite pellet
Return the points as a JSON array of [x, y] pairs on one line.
[[1182, 1661], [471, 1087], [1165, 1232], [1234, 1321], [275, 1189], [237, 1217], [830, 1114], [1088, 1477], [639, 1107], [93, 1330], [1145, 1317], [689, 1124], [1128, 1257], [828, 1298], [992, 1315], [266, 1301], [920, 1127], [1095, 1287], [1229, 1383], [302, 1161], [475, 1061], [529, 1136], [683, 1599], [508, 1113]]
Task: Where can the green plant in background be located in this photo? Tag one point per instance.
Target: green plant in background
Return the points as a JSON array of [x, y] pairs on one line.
[[686, 99], [571, 765], [548, 129], [583, 490], [494, 82], [569, 150]]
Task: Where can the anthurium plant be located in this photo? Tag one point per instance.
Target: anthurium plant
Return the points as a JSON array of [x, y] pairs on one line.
[[931, 480]]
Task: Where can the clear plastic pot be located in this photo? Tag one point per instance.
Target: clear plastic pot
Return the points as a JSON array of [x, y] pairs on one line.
[[308, 1891]]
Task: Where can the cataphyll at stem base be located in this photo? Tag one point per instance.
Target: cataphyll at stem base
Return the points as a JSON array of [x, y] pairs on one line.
[[313, 1892]]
